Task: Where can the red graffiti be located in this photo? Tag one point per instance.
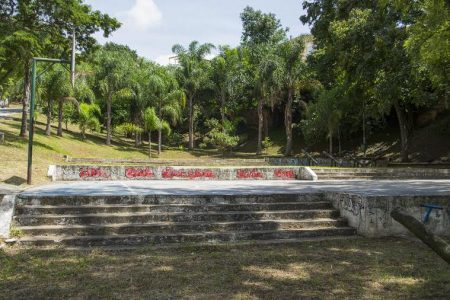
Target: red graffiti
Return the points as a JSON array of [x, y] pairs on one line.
[[170, 173], [284, 173], [93, 173], [139, 173], [249, 174]]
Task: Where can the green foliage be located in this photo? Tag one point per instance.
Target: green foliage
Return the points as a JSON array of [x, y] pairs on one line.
[[128, 128], [267, 143], [87, 117], [218, 137], [151, 120]]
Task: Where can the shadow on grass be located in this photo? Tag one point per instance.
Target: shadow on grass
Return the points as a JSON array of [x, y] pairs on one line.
[[15, 180], [378, 268]]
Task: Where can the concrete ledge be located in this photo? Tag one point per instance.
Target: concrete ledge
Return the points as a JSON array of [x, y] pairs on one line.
[[7, 205], [306, 173], [99, 173], [370, 215]]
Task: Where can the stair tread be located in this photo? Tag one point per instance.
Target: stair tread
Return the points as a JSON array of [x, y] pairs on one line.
[[90, 237], [171, 205], [172, 213], [118, 225]]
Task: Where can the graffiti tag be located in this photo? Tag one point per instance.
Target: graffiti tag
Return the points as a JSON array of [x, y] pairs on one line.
[[139, 173], [94, 173], [170, 173], [284, 173], [249, 174]]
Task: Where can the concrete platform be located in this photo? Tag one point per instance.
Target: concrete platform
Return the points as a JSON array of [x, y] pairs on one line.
[[181, 187]]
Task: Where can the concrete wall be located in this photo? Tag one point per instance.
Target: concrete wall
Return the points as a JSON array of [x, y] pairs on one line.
[[370, 215], [7, 204], [85, 173]]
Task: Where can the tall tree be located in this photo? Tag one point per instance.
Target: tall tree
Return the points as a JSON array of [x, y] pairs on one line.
[[294, 73], [42, 28], [190, 74], [168, 98], [360, 47], [261, 34], [113, 64], [228, 81]]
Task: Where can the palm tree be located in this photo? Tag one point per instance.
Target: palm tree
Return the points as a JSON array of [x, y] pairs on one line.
[[151, 123], [87, 118], [190, 74], [293, 75], [170, 100], [227, 79], [57, 87], [266, 81], [114, 64], [140, 93]]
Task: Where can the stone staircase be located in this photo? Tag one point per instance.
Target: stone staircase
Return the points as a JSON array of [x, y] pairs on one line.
[[379, 173], [98, 221]]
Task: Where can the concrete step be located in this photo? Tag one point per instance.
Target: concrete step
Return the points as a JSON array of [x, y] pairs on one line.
[[73, 209], [142, 218], [210, 237], [165, 199], [169, 227]]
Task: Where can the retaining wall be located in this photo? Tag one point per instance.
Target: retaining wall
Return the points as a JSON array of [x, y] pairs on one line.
[[86, 173], [370, 215]]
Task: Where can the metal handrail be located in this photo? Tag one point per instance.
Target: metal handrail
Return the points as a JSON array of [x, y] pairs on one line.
[[332, 158], [310, 157]]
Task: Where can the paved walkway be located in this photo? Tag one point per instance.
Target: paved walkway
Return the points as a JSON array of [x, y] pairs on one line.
[[374, 188], [9, 111]]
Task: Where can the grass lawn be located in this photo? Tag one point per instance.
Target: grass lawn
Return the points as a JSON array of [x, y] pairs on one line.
[[50, 150], [357, 269]]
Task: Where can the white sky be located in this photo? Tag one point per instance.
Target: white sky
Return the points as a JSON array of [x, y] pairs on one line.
[[152, 27]]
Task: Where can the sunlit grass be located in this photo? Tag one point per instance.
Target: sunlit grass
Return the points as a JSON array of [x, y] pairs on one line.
[[355, 269]]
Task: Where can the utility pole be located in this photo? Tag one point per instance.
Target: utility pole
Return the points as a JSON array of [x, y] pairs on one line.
[[72, 61]]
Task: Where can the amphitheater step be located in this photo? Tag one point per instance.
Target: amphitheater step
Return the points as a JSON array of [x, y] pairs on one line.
[[142, 218], [122, 221], [127, 228], [166, 199], [196, 237], [74, 209]]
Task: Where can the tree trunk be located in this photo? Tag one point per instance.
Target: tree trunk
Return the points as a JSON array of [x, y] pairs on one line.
[[60, 116], [438, 245], [191, 123], [83, 133], [136, 139], [288, 123], [222, 111], [159, 140], [108, 119], [331, 143], [404, 131], [260, 126], [25, 99], [48, 126], [150, 144], [339, 140], [266, 123]]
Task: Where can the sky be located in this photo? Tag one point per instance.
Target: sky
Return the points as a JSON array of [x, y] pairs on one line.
[[152, 27]]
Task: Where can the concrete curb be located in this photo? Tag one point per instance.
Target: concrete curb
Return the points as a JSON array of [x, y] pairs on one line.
[[7, 205]]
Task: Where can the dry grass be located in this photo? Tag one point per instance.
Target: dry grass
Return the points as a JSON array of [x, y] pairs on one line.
[[50, 150], [355, 269]]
